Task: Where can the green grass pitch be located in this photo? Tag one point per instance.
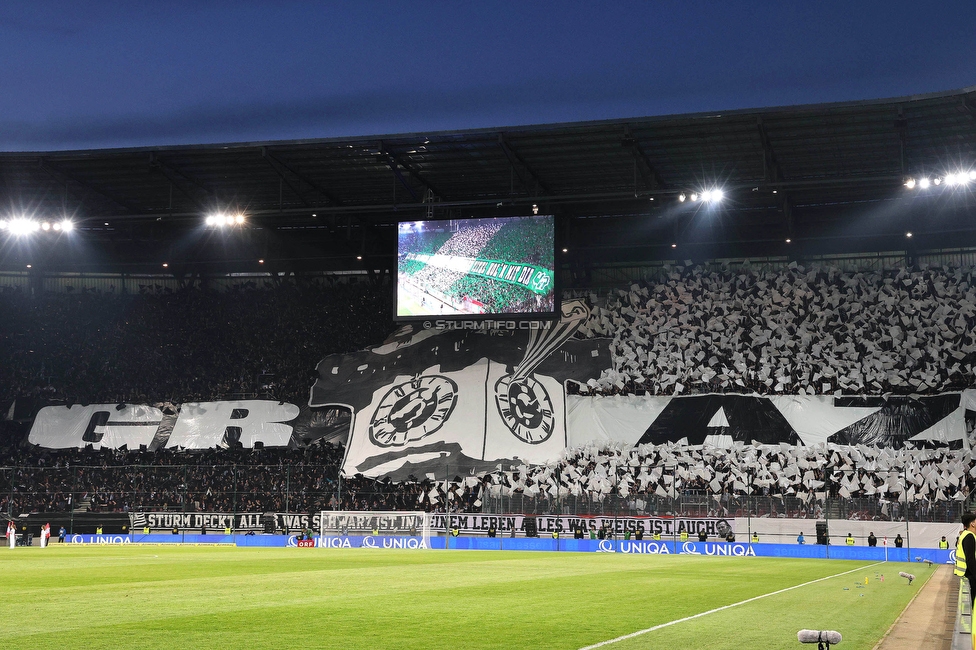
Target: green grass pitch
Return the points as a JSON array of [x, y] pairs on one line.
[[227, 597]]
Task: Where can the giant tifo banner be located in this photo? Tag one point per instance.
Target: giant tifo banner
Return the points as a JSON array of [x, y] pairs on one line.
[[464, 398], [469, 396]]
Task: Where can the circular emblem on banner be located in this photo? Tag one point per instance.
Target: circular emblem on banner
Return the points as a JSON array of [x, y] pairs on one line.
[[525, 408], [413, 410]]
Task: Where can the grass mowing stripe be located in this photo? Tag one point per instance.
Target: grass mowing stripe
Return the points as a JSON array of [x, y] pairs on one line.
[[724, 607]]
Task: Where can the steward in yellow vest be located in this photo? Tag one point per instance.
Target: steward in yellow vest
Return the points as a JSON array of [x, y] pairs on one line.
[[961, 563], [966, 552], [656, 537], [943, 543], [755, 538], [684, 536], [850, 540]]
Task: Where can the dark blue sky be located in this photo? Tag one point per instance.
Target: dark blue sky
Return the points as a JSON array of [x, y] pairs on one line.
[[117, 74]]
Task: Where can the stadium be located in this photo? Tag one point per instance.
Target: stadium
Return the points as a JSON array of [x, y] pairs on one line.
[[701, 380]]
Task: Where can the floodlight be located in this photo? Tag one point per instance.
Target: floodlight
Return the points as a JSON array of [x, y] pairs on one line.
[[22, 226], [535, 209], [908, 234], [45, 226], [712, 195], [694, 196], [682, 197], [66, 225], [211, 220], [229, 220], [239, 219], [924, 183], [674, 245], [957, 178], [3, 224], [910, 183], [56, 226], [972, 175], [789, 241], [937, 180]]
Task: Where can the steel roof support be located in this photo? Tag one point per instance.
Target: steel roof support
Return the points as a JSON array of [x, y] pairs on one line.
[[63, 177], [277, 164], [395, 162], [518, 162], [644, 166], [179, 179]]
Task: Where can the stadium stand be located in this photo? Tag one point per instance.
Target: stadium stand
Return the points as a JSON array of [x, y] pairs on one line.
[[196, 344], [796, 330], [817, 330]]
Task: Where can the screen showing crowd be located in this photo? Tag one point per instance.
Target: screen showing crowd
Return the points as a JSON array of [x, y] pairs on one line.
[[476, 267]]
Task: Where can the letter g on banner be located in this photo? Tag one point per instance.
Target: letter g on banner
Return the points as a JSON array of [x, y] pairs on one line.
[[606, 546]]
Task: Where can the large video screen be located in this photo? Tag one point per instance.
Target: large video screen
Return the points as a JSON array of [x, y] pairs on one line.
[[476, 268]]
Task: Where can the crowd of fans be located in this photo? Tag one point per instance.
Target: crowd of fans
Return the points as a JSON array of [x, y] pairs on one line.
[[184, 346], [816, 330], [798, 481], [217, 480], [783, 480]]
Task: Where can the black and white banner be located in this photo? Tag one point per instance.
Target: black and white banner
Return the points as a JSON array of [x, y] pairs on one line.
[[565, 525], [365, 522], [217, 522], [460, 397]]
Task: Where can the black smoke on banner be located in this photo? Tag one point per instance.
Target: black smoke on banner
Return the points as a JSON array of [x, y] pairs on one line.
[[328, 424], [748, 418], [899, 419], [454, 462]]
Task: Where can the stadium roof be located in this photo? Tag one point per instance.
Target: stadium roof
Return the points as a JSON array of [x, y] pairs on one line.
[[829, 177]]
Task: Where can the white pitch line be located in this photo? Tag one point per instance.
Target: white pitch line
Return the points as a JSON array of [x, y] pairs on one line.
[[719, 609]]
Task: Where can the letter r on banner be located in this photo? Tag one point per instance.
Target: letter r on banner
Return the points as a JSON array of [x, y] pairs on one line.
[[202, 425]]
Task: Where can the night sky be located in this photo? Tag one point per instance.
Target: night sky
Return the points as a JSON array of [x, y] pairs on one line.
[[78, 75]]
